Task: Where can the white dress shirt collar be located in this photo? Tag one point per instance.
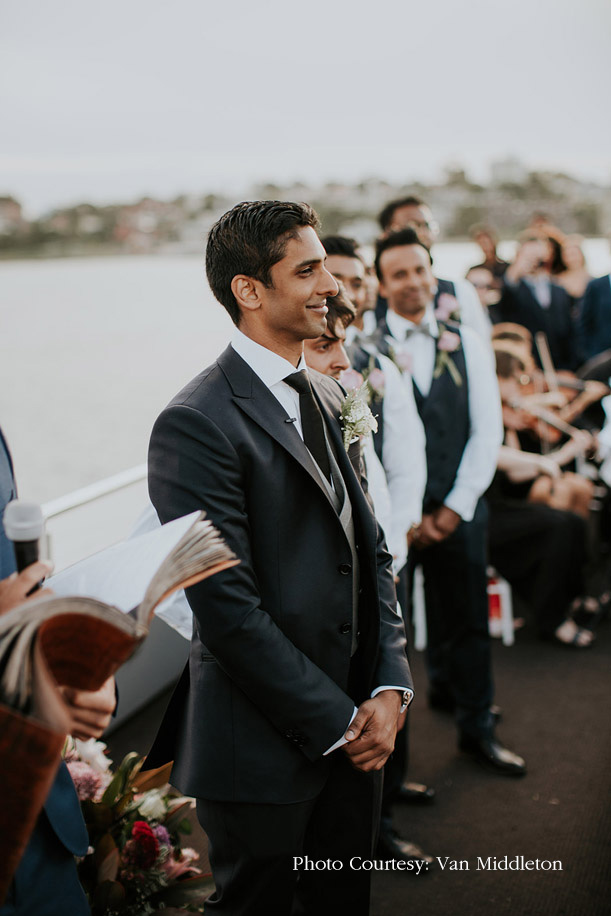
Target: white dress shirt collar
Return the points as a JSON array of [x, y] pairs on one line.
[[399, 326], [269, 366]]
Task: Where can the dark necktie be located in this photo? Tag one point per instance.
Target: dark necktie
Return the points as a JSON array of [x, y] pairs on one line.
[[312, 422]]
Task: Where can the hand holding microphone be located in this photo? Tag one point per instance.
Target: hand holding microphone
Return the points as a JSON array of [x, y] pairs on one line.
[[24, 526]]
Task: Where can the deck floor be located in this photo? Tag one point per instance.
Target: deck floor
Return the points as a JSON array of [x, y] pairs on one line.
[[556, 712]]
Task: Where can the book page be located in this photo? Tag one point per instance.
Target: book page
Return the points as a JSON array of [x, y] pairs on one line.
[[121, 574]]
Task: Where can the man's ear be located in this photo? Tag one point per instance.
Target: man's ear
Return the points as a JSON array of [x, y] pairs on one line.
[[382, 289], [246, 293]]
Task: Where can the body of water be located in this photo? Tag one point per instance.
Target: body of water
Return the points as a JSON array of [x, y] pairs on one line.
[[92, 349]]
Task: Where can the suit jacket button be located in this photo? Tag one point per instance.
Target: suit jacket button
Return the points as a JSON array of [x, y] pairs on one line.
[[345, 628], [345, 569]]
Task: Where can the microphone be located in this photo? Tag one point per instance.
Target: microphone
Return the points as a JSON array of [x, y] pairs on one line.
[[291, 420], [24, 526]]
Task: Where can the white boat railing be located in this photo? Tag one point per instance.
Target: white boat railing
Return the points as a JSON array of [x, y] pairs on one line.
[[94, 491]]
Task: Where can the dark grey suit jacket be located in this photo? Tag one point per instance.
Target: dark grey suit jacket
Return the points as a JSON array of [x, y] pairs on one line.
[[595, 318], [266, 690]]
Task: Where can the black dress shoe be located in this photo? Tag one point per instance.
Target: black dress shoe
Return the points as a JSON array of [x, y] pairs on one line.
[[391, 845], [414, 793], [493, 755]]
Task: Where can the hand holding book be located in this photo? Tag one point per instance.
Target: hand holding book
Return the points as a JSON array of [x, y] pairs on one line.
[[58, 641]]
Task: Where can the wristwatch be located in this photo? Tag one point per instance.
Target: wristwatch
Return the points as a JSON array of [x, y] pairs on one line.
[[406, 697]]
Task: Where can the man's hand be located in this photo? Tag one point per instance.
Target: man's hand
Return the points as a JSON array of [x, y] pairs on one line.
[[13, 589], [91, 711], [446, 520], [437, 527], [371, 734], [428, 533]]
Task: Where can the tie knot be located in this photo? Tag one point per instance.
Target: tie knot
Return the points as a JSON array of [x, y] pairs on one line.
[[299, 381]]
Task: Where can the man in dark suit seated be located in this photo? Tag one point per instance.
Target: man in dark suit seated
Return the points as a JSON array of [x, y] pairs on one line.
[[594, 327], [289, 706], [531, 299]]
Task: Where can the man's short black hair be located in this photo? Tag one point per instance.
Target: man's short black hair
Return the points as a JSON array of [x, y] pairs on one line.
[[249, 239], [341, 245], [386, 215], [340, 308], [396, 240]]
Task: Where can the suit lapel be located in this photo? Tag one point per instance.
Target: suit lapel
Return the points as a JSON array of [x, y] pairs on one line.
[[257, 402]]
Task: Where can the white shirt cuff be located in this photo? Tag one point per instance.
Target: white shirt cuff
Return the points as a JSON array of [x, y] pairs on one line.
[[342, 740], [462, 501], [401, 690]]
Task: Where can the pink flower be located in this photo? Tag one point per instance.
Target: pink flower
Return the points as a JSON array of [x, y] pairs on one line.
[[447, 305], [88, 783], [404, 360], [377, 381], [449, 342], [351, 379], [174, 868]]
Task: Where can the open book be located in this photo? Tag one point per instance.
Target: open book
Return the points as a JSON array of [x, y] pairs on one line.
[[79, 637]]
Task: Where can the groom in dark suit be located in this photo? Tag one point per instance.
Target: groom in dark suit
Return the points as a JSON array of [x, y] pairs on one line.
[[288, 708]]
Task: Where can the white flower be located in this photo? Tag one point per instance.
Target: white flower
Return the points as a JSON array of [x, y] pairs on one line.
[[152, 805], [357, 419], [93, 753]]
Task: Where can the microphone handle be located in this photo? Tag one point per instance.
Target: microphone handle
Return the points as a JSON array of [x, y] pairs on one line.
[[26, 553]]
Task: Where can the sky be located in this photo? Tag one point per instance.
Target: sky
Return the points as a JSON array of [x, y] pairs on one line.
[[109, 101]]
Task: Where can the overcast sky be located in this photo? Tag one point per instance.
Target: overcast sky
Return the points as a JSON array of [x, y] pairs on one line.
[[108, 101]]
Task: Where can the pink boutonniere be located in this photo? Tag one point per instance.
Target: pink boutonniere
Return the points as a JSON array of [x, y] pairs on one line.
[[448, 342], [402, 359], [351, 379], [447, 307], [377, 382]]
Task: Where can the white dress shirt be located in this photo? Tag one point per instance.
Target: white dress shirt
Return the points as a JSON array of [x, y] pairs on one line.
[[403, 458], [272, 369], [480, 456]]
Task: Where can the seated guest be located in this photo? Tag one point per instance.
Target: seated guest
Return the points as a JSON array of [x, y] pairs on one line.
[[538, 548], [486, 287], [525, 431], [454, 299], [594, 326], [487, 239], [574, 275], [530, 298]]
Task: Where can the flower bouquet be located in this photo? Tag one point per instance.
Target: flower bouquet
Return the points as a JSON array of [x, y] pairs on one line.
[[135, 863]]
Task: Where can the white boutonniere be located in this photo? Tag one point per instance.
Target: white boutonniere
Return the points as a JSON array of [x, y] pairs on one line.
[[357, 420], [448, 343]]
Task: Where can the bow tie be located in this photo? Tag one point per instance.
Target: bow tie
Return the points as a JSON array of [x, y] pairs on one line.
[[424, 329]]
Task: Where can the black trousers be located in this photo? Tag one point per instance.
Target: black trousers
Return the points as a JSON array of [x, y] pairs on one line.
[[541, 552], [458, 644], [255, 849]]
